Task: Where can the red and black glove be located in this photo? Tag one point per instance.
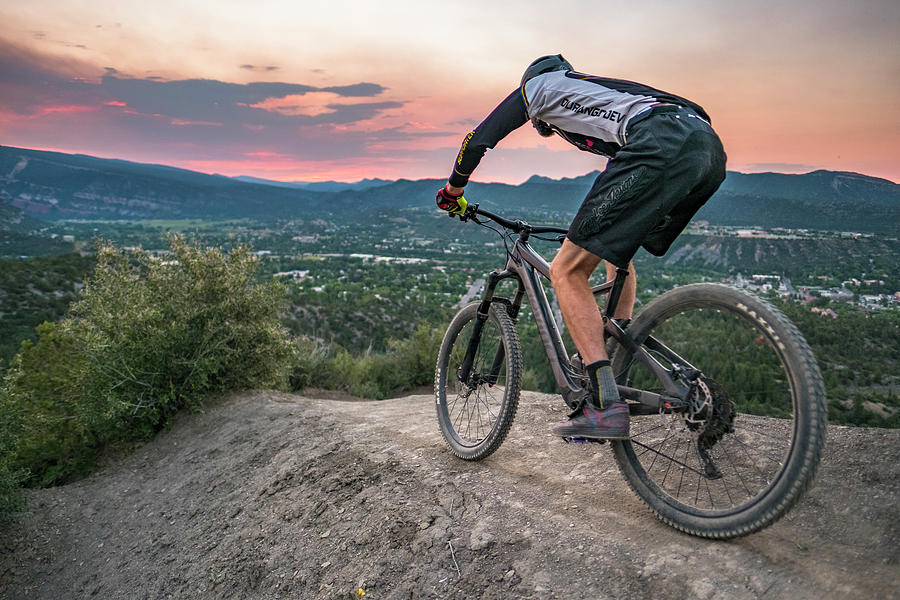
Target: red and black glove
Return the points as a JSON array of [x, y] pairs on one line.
[[455, 205]]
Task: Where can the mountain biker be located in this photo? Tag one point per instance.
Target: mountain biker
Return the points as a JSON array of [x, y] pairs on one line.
[[665, 163]]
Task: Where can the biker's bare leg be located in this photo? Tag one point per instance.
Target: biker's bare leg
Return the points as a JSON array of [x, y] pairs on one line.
[[570, 275], [604, 416]]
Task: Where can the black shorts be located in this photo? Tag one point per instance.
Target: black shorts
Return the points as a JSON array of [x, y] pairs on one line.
[[670, 165]]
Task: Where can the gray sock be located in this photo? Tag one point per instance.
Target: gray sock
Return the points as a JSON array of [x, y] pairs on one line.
[[604, 392]]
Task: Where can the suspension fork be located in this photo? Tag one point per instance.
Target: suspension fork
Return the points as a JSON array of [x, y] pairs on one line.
[[513, 311], [481, 317]]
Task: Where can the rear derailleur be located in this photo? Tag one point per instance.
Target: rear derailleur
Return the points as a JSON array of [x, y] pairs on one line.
[[710, 415]]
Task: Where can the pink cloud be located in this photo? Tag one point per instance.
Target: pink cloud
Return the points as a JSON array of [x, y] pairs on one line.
[[182, 122], [61, 110]]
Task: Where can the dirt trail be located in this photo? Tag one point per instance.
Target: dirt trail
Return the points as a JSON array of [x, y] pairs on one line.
[[270, 495]]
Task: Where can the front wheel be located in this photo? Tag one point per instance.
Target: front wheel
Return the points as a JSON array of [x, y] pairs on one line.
[[475, 409], [745, 445]]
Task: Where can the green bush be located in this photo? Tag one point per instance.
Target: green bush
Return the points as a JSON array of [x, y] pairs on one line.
[[310, 367], [146, 338], [49, 411], [417, 356], [405, 365], [10, 498]]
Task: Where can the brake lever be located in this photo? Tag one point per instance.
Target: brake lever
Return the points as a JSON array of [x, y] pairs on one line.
[[470, 214]]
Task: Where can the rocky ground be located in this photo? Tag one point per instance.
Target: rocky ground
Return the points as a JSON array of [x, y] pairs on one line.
[[269, 495]]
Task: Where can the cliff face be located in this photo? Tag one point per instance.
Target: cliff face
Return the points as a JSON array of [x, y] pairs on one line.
[[270, 495]]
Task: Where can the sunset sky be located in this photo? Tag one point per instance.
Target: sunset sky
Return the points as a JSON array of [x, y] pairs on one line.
[[346, 90]]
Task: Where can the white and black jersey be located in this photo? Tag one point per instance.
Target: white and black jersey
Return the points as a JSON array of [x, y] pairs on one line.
[[592, 113]]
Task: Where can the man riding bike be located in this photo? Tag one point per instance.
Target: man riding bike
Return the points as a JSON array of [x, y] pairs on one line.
[[665, 163]]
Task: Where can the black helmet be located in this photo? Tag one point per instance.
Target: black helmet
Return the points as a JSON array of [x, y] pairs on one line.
[[546, 64]]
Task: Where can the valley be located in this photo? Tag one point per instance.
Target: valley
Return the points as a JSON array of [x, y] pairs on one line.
[[365, 266]]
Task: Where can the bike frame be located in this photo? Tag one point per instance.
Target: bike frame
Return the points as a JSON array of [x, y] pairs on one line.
[[525, 264]]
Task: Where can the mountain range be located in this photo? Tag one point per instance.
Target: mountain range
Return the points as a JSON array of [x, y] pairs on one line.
[[318, 186], [51, 186]]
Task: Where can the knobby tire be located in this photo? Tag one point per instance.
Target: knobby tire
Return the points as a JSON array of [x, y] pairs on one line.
[[755, 361], [475, 417]]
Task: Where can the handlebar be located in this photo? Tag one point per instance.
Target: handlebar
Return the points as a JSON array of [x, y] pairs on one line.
[[518, 226]]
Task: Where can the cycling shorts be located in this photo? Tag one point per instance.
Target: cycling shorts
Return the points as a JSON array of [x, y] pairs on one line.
[[671, 163]]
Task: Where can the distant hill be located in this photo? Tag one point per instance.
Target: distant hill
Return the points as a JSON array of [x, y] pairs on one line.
[[819, 200], [317, 186], [13, 219], [53, 186]]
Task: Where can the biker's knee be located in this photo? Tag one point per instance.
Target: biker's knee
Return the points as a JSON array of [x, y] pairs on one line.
[[572, 263], [557, 270], [563, 270]]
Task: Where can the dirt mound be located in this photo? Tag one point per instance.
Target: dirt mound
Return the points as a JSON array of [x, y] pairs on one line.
[[270, 495]]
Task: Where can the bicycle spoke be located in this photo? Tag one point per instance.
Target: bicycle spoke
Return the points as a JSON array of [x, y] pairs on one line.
[[646, 431], [736, 472], [678, 462], [669, 467], [687, 451], [697, 495], [659, 452]]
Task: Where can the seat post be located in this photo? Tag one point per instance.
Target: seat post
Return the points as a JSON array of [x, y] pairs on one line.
[[613, 299]]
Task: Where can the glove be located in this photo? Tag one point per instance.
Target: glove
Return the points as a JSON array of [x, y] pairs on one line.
[[455, 205]]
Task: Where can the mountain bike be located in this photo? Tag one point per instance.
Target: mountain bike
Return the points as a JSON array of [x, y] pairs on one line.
[[726, 400]]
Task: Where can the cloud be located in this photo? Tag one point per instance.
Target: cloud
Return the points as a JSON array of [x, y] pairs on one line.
[[47, 103], [31, 81], [356, 90], [251, 104], [196, 98], [267, 69]]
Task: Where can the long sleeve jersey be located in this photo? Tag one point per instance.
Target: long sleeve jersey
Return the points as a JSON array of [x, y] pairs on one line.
[[592, 113]]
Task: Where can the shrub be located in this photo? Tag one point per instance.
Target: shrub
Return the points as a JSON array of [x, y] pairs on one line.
[[147, 338], [406, 364], [50, 415], [417, 355], [10, 478], [310, 366]]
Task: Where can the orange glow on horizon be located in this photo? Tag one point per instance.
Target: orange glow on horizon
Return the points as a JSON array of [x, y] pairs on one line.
[[283, 168]]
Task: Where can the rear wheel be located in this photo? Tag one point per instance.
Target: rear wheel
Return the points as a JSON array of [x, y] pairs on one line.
[[746, 446], [476, 414]]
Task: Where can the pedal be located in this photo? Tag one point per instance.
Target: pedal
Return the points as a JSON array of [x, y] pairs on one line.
[[582, 440]]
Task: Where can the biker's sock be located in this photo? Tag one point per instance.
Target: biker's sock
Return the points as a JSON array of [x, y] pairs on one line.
[[602, 384]]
